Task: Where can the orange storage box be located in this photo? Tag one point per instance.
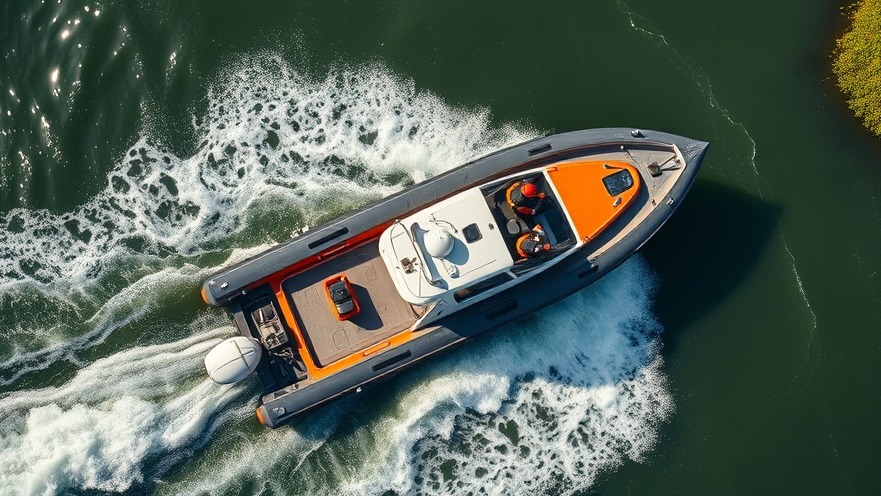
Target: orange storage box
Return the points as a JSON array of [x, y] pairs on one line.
[[341, 297]]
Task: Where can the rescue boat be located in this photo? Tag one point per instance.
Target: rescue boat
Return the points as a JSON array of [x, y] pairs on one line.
[[404, 278]]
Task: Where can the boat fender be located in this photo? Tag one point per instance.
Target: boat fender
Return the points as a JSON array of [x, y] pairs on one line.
[[233, 359]]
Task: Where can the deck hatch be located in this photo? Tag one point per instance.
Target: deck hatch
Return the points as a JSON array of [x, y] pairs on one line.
[[471, 233], [618, 182]]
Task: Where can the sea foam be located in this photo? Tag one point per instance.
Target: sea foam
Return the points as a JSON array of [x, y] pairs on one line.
[[272, 140], [552, 401], [96, 431], [543, 405], [276, 150]]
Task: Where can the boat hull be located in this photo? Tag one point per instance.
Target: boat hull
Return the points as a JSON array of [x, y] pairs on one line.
[[577, 270]]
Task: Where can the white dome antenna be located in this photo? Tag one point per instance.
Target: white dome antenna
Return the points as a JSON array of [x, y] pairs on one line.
[[439, 242]]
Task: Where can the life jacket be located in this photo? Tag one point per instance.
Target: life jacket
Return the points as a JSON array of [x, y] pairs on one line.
[[521, 203], [533, 243]]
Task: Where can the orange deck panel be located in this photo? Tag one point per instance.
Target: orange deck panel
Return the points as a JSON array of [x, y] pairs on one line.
[[582, 192]]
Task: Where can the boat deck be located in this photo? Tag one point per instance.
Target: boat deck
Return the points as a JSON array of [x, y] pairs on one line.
[[383, 312]]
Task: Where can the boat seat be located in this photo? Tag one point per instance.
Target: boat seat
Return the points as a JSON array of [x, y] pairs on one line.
[[516, 226]]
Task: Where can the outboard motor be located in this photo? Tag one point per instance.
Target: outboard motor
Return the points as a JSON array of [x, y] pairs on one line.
[[233, 359], [272, 334]]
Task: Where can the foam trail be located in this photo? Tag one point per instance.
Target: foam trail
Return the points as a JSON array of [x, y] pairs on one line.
[[96, 431], [129, 306], [814, 337], [543, 406], [126, 308], [576, 412], [274, 144], [277, 149]]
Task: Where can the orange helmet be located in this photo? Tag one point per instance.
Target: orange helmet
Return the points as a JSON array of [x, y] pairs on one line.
[[529, 190]]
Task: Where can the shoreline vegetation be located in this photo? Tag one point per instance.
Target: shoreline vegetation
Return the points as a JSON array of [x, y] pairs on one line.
[[857, 63]]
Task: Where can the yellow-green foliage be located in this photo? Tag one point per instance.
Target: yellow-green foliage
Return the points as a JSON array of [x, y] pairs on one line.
[[858, 63]]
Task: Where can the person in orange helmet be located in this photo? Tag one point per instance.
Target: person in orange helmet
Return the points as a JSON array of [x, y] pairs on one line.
[[533, 243], [524, 197]]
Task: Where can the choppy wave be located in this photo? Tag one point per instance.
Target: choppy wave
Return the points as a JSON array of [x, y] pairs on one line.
[[278, 149], [545, 405], [64, 338], [96, 431]]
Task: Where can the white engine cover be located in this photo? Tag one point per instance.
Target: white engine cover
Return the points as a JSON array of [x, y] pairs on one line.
[[233, 359]]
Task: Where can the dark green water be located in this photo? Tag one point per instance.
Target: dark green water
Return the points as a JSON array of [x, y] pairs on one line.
[[144, 145]]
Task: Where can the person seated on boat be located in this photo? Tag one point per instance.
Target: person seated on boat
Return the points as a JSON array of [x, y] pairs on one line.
[[533, 243], [524, 197]]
